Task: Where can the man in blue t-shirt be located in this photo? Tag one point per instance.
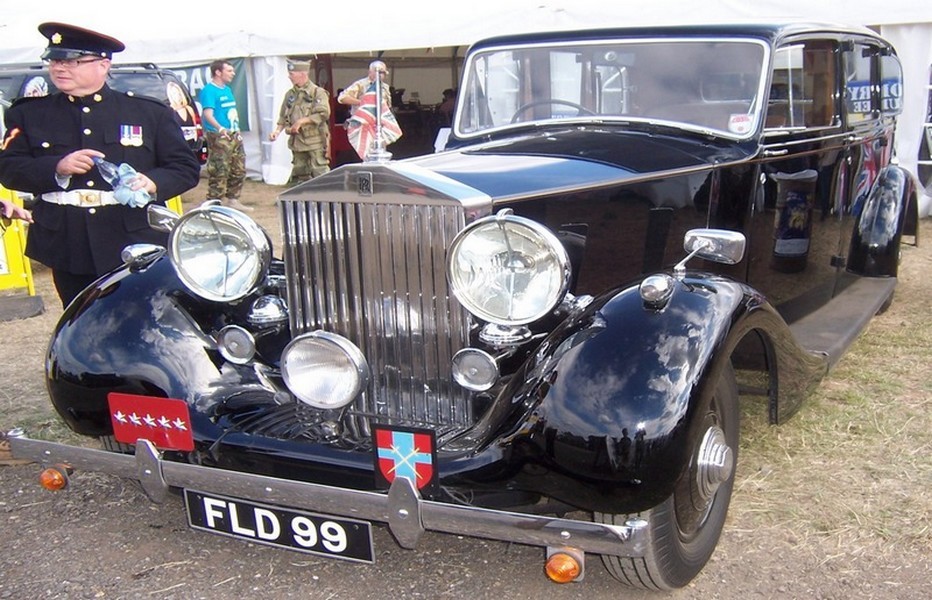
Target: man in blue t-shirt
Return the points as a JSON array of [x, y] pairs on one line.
[[226, 158]]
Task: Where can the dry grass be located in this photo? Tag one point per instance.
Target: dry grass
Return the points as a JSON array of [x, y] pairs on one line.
[[851, 473]]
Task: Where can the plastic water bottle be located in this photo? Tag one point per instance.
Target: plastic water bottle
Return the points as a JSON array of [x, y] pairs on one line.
[[119, 178]]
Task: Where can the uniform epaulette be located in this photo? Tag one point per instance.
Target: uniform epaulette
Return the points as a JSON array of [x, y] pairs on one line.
[[132, 94], [24, 99]]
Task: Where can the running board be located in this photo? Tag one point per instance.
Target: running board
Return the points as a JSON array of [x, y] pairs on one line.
[[831, 329]]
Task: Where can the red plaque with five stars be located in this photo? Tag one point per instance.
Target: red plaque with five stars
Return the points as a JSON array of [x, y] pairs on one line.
[[163, 421]]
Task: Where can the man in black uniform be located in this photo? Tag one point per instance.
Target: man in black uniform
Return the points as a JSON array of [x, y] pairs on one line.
[[80, 228]]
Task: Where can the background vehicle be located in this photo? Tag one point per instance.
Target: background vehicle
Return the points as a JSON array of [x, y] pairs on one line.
[[144, 79], [536, 336]]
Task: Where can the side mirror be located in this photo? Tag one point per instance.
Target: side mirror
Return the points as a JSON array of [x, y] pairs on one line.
[[717, 245], [161, 218]]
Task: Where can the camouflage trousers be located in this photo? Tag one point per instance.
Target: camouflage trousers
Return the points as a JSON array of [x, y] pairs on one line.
[[226, 165], [307, 165]]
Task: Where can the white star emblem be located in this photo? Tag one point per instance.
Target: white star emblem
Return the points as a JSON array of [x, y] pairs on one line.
[[119, 416], [149, 420], [180, 425], [164, 422], [135, 419]]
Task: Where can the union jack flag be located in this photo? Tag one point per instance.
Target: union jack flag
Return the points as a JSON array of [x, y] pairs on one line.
[[361, 127]]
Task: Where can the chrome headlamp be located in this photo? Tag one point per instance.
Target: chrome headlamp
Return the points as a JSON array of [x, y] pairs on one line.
[[219, 253], [507, 269]]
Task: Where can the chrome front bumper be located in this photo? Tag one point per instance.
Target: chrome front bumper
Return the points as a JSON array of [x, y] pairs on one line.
[[402, 509]]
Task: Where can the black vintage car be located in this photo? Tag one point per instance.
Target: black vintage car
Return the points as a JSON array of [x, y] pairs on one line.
[[536, 335]]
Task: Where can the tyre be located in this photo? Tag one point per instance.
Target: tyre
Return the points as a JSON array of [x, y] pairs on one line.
[[110, 444], [684, 529]]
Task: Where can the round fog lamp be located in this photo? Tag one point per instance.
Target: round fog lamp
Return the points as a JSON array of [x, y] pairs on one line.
[[324, 370], [474, 369], [236, 344]]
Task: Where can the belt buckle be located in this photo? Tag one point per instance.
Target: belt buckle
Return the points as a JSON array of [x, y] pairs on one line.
[[89, 198]]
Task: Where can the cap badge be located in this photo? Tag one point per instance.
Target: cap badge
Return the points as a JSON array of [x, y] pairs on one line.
[[56, 38]]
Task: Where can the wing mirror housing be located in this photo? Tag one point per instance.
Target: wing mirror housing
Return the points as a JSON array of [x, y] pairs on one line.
[[717, 245]]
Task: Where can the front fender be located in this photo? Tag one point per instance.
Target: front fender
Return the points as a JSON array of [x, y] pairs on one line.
[[890, 211], [612, 395], [129, 332]]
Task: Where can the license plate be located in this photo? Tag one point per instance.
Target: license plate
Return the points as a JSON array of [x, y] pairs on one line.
[[282, 527]]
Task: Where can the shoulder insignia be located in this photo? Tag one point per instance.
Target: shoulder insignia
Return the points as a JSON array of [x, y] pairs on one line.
[[10, 136]]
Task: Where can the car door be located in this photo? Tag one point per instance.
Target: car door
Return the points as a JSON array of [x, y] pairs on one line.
[[802, 178], [872, 91]]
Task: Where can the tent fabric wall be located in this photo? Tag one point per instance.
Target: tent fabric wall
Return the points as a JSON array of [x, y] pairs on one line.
[[913, 43], [171, 37]]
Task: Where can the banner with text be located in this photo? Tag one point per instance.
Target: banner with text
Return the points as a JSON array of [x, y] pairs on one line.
[[197, 76]]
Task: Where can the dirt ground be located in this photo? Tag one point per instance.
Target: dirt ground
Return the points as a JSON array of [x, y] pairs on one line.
[[833, 505]]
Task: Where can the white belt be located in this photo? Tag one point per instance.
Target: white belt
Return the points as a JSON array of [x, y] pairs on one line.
[[82, 198]]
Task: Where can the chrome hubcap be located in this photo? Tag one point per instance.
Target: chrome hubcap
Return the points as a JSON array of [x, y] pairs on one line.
[[715, 462]]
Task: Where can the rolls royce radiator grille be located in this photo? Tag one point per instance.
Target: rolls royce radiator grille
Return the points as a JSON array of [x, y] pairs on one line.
[[375, 273]]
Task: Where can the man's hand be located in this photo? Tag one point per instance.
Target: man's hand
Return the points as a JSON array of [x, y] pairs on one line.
[[78, 162], [8, 210], [142, 182]]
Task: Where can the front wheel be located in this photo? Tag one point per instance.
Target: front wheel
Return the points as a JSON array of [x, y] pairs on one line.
[[684, 529]]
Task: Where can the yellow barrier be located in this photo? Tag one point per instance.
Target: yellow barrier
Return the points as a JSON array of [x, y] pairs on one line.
[[15, 271], [175, 204]]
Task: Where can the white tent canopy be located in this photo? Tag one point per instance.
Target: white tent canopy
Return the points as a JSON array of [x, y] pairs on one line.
[[270, 30], [281, 27]]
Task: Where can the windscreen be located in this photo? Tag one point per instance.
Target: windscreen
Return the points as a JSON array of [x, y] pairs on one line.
[[709, 84]]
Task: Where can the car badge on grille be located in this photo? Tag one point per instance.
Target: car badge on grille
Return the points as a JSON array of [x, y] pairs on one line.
[[163, 421], [364, 183], [405, 452]]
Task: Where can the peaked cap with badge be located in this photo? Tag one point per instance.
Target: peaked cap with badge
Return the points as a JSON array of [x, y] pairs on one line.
[[70, 41]]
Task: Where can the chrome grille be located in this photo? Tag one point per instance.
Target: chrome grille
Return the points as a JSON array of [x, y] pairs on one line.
[[375, 273]]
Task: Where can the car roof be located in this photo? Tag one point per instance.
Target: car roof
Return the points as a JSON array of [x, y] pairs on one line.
[[12, 79], [772, 32]]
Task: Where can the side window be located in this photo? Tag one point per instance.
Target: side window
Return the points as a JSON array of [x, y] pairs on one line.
[[802, 87], [925, 142], [891, 85], [859, 93]]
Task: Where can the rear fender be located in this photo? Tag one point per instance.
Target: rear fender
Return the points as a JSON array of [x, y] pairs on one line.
[[890, 211]]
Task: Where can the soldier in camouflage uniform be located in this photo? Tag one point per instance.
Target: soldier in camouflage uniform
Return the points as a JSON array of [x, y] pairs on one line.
[[305, 117]]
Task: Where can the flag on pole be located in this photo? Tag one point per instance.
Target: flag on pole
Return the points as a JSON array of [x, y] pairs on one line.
[[361, 127]]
